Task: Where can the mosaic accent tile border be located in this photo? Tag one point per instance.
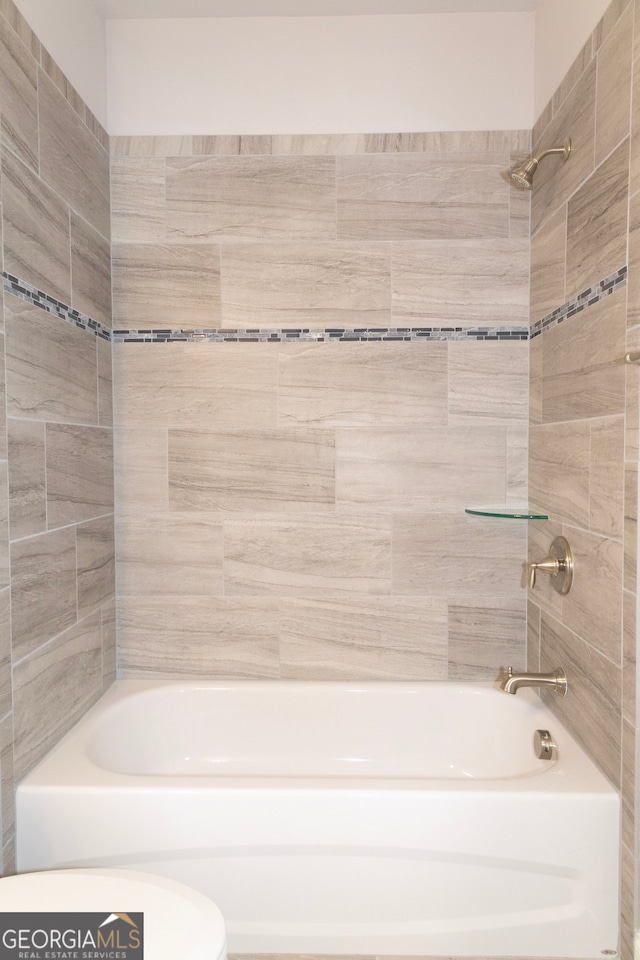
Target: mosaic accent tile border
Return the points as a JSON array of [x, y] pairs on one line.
[[306, 335], [30, 294], [585, 299]]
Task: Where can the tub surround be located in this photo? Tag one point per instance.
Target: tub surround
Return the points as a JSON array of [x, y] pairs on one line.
[[297, 480], [583, 440], [57, 646], [317, 532]]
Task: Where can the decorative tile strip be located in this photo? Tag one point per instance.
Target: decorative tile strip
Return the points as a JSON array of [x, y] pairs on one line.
[[585, 299], [596, 293], [329, 335], [24, 291]]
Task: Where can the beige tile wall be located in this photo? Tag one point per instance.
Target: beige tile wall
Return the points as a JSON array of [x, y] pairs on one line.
[[57, 607], [413, 229], [297, 510], [584, 406]]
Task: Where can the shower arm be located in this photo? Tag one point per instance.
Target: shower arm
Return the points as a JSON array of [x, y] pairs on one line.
[[545, 153]]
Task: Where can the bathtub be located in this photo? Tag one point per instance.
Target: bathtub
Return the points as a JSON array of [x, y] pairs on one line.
[[350, 818]]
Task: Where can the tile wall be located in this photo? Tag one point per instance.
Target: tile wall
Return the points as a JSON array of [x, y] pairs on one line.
[[57, 605], [583, 441], [295, 508]]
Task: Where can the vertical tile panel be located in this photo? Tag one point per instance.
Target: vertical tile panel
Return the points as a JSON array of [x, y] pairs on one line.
[[27, 483], [18, 95], [90, 271], [35, 229], [71, 160], [43, 589], [53, 688], [613, 92]]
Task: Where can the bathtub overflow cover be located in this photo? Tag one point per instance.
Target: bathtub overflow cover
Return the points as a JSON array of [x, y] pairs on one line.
[[543, 745]]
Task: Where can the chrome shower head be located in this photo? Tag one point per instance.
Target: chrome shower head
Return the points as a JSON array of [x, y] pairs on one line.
[[521, 174]]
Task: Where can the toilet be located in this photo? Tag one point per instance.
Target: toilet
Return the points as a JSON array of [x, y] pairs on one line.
[[177, 921]]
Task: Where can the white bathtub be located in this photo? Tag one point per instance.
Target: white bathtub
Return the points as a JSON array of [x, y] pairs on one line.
[[369, 818]]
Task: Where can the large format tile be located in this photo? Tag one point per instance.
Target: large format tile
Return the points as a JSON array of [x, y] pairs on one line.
[[313, 556], [536, 350], [548, 264], [631, 526], [90, 271], [629, 657], [251, 198], [606, 476], [79, 473], [583, 373], [422, 197], [95, 564], [592, 708], [138, 200], [163, 555], [452, 554], [71, 159], [166, 285], [225, 386], [634, 179], [185, 637], [613, 90], [419, 469], [533, 637], [140, 469], [360, 384], [392, 638], [42, 384], [35, 230], [597, 223], [105, 383], [109, 644], [486, 636], [53, 688], [7, 781], [291, 469], [465, 283], [488, 381], [593, 608], [559, 471], [3, 391], [5, 572], [43, 589], [27, 483], [18, 96], [5, 662], [295, 285], [633, 285], [517, 463], [555, 179]]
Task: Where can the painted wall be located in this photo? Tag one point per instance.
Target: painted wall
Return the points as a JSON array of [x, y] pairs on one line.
[[74, 33], [57, 609], [284, 75]]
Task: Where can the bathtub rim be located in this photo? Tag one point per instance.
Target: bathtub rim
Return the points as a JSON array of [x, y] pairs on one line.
[[68, 765]]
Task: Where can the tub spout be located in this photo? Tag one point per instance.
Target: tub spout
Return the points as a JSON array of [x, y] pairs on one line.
[[556, 680]]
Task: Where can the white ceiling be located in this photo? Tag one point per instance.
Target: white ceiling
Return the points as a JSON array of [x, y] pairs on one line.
[[162, 9]]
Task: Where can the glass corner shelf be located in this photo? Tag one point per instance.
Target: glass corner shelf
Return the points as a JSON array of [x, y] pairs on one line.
[[512, 512]]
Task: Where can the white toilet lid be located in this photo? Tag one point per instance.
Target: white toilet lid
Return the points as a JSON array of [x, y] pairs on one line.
[[178, 921]]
